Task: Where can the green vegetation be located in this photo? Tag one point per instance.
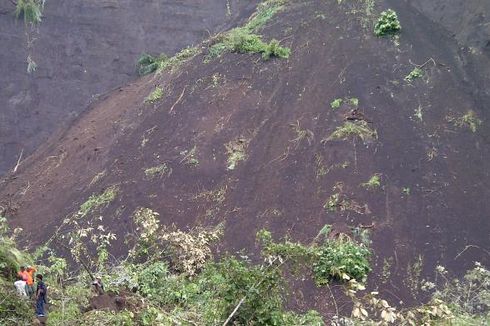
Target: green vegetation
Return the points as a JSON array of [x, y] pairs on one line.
[[95, 201], [336, 103], [349, 129], [469, 120], [30, 10], [241, 40], [354, 101], [148, 64], [414, 74], [387, 24], [245, 40], [155, 95], [158, 171], [373, 183], [342, 259], [170, 277]]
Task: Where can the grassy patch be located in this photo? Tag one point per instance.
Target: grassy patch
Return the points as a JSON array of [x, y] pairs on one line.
[[95, 201], [373, 183], [469, 120], [414, 74], [349, 129], [148, 64], [158, 171], [245, 40], [241, 40], [387, 24], [30, 10], [155, 95]]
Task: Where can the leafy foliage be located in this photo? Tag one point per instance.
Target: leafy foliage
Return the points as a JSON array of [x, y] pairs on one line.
[[155, 95], [414, 74], [95, 201], [342, 259], [30, 10], [148, 63], [387, 23]]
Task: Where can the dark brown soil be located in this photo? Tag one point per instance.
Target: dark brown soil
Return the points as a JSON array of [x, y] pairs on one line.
[[432, 205], [83, 49]]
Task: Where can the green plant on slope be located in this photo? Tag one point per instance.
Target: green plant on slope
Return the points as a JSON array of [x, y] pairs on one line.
[[349, 129], [342, 259], [414, 74], [244, 40], [155, 95], [158, 171], [336, 103], [95, 201], [469, 120], [373, 183], [30, 10], [387, 23], [148, 63]]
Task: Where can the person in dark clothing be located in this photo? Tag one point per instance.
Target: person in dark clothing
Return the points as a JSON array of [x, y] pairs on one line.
[[40, 295]]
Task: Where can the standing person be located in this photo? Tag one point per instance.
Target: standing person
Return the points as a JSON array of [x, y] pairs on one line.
[[41, 292], [31, 271], [20, 286], [23, 275]]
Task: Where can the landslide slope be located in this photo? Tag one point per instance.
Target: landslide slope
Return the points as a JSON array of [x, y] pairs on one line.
[[84, 48], [248, 142]]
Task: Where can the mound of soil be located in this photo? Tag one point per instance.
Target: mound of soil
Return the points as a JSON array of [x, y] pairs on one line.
[[253, 143]]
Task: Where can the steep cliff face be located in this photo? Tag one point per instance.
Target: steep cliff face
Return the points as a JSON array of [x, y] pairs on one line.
[[84, 49], [256, 143]]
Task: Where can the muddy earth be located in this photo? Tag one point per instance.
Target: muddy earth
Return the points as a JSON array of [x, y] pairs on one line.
[[85, 48], [248, 143]]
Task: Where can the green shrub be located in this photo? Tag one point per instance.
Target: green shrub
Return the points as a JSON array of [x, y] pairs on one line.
[[152, 279], [148, 63], [30, 10], [241, 40], [336, 103], [342, 259], [387, 23], [414, 74]]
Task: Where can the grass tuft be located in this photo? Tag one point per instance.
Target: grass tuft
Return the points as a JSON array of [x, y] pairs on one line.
[[349, 129], [155, 95]]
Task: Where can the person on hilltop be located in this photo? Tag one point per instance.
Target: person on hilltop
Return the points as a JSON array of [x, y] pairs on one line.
[[31, 271], [41, 293]]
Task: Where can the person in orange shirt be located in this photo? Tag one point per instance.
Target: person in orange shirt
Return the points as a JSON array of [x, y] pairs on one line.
[[24, 276], [31, 271]]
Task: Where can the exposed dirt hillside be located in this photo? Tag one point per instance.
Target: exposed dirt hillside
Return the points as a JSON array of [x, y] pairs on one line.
[[84, 49], [249, 142]]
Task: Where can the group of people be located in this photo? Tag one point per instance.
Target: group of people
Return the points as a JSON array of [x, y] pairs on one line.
[[25, 287]]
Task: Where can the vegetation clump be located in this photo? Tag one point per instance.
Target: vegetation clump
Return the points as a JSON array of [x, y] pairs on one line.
[[157, 171], [155, 95], [358, 129], [241, 40], [342, 259], [469, 119], [30, 10], [373, 183], [414, 74], [335, 104], [387, 24], [245, 40], [148, 63], [95, 201]]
